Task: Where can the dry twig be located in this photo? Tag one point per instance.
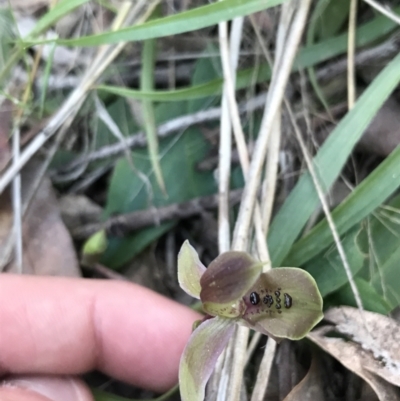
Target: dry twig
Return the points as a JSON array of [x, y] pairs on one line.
[[126, 223]]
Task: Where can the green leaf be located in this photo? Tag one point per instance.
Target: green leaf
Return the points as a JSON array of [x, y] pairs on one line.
[[330, 16], [190, 270], [121, 250], [129, 191], [371, 300], [387, 279], [226, 280], [284, 303], [328, 162], [327, 268], [200, 356], [187, 21], [366, 197], [308, 56]]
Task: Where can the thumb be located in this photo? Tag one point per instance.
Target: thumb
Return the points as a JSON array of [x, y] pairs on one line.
[[44, 388]]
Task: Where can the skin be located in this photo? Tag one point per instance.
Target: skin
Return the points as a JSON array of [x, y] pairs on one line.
[[65, 327]]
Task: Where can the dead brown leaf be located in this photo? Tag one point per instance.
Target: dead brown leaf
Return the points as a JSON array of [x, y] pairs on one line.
[[377, 335], [47, 245], [372, 353]]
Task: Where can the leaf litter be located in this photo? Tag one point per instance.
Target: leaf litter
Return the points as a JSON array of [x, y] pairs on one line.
[[366, 343]]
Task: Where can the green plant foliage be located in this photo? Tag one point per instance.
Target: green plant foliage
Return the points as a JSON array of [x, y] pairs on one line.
[[308, 56], [371, 300], [6, 35], [197, 18], [330, 17], [328, 162], [61, 9], [179, 156], [147, 83], [327, 268], [366, 197], [128, 190], [372, 250]]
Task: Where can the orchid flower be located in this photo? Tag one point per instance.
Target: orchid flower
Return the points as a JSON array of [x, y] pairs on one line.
[[282, 303]]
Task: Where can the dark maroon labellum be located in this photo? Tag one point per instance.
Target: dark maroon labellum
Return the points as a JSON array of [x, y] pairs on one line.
[[268, 300], [254, 298], [288, 300], [277, 293], [278, 306]]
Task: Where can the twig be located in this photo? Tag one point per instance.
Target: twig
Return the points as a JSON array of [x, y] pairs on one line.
[[383, 50], [126, 223], [351, 50], [384, 10]]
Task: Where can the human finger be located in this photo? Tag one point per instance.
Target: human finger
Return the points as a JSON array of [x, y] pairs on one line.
[[70, 326]]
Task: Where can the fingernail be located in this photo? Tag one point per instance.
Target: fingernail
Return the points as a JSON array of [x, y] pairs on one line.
[[54, 388]]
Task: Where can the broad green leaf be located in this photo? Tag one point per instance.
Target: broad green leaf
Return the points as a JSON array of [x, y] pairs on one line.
[[226, 280], [328, 162], [190, 270], [284, 303], [330, 17], [387, 279], [327, 268], [200, 356], [197, 18], [367, 196], [121, 250], [371, 300], [130, 191], [207, 69]]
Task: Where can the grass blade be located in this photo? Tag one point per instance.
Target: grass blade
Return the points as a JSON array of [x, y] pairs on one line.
[[308, 56], [371, 193], [149, 122], [197, 18], [61, 9], [329, 161]]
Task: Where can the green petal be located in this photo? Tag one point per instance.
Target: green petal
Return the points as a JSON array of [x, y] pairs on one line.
[[200, 355], [190, 269], [284, 303], [228, 278]]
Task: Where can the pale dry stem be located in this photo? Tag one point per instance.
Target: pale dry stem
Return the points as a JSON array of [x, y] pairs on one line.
[[242, 227], [351, 51], [269, 185], [384, 10]]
